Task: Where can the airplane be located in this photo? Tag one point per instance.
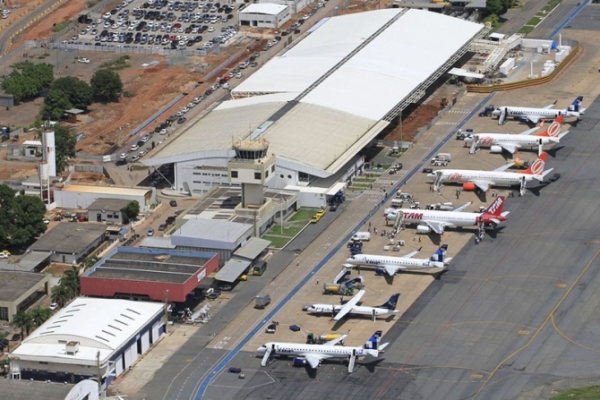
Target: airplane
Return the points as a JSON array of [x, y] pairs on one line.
[[436, 221], [352, 310], [483, 180], [391, 265], [497, 142], [313, 354], [536, 114]]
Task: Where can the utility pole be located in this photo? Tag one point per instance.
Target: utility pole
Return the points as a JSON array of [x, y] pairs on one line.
[[166, 309]]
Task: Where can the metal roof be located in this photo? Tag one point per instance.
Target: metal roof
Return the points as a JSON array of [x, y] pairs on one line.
[[14, 284], [232, 270], [16, 389], [157, 242], [108, 204], [69, 237], [114, 322], [252, 248], [210, 233], [264, 8], [128, 191]]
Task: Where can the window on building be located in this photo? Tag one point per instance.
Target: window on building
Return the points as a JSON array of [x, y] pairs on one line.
[[272, 168], [234, 174], [303, 177], [266, 173], [109, 216], [257, 175]]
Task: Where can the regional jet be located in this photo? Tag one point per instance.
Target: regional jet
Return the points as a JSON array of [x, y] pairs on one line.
[[313, 354], [392, 265], [534, 115]]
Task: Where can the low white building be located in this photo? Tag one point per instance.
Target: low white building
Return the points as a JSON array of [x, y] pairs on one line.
[[295, 5], [265, 15], [87, 337], [82, 196]]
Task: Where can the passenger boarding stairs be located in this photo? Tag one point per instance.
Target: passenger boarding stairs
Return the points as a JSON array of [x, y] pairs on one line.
[[474, 145], [437, 183], [399, 223]]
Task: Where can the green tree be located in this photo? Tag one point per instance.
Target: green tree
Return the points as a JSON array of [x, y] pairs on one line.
[[42, 73], [130, 211], [106, 85], [27, 80], [21, 218], [65, 146], [495, 7], [60, 295], [70, 281], [79, 92], [40, 314], [55, 104], [23, 321]]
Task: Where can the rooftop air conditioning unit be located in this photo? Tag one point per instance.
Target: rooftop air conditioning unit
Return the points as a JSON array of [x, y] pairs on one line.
[[72, 348]]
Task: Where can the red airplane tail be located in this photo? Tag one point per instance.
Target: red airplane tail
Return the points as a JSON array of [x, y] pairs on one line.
[[553, 129], [537, 167]]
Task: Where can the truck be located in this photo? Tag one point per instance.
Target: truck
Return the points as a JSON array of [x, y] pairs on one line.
[[262, 300], [408, 197], [344, 289], [487, 111], [362, 236], [444, 158], [448, 206], [311, 338], [462, 135]]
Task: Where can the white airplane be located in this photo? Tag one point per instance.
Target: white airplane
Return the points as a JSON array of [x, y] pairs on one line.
[[436, 221], [536, 114], [350, 308], [391, 265], [313, 354], [472, 179], [497, 142]]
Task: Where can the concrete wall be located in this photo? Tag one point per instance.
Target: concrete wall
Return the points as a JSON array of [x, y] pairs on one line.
[[83, 200], [265, 20], [105, 216]]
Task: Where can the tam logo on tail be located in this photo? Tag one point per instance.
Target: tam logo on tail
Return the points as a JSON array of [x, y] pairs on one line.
[[538, 165], [496, 207]]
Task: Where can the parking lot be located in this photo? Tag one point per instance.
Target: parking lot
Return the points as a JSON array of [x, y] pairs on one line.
[[171, 25]]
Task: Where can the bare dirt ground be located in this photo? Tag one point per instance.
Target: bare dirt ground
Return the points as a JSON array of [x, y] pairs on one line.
[[21, 8], [43, 29]]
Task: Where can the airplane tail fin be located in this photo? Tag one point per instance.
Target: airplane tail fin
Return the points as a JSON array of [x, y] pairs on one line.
[[537, 167], [440, 254], [553, 129], [495, 209], [391, 303], [576, 105], [373, 343]]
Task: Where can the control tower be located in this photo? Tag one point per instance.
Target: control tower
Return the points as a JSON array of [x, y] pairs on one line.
[[252, 168]]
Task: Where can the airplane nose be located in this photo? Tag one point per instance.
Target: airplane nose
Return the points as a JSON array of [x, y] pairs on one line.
[[261, 349], [432, 175]]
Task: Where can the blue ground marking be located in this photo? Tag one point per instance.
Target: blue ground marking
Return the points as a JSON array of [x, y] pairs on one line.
[[568, 18], [221, 365]]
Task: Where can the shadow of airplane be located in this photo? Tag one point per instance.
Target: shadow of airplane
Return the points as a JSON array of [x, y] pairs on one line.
[[493, 233], [537, 189], [371, 365], [552, 152]]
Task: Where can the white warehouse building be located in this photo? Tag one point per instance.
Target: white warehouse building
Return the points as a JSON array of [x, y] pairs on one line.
[[87, 337], [323, 100], [265, 15], [295, 5]]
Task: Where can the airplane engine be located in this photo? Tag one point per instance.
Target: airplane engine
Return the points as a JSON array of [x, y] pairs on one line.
[[423, 229], [381, 271], [469, 186], [496, 149], [299, 362], [523, 120]]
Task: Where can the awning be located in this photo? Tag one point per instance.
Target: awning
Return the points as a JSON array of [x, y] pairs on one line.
[[336, 188], [252, 248], [232, 270], [465, 73]]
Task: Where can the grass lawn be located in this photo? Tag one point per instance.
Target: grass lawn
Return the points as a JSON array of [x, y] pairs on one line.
[[280, 237], [526, 29], [589, 393], [60, 26]]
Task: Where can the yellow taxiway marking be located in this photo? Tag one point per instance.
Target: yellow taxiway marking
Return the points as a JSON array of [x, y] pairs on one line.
[[523, 332], [561, 285], [549, 318]]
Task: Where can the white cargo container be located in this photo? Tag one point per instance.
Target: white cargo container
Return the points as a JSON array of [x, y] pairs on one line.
[[507, 66]]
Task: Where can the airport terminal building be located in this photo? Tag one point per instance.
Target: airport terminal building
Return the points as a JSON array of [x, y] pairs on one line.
[[321, 101]]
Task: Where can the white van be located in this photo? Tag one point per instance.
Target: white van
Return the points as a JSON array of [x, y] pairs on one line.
[[397, 203], [362, 236]]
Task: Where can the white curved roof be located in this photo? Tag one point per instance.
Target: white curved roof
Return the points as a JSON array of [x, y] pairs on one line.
[[98, 325]]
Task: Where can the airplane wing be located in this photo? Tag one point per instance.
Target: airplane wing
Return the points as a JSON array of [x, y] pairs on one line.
[[337, 340], [459, 209], [533, 118], [483, 185], [436, 226], [504, 167], [409, 255], [551, 105], [313, 359], [530, 131], [511, 148], [391, 269], [346, 308]]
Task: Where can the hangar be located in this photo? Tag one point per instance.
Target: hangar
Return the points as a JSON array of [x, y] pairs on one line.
[[148, 274], [320, 102], [89, 337]]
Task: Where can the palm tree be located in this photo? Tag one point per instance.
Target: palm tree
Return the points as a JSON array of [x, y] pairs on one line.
[[23, 321], [60, 295], [40, 315], [70, 280]]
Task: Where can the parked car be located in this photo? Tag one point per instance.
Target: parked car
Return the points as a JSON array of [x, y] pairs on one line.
[[84, 60], [135, 147], [15, 337], [333, 207], [150, 232], [3, 256], [173, 203], [272, 327], [162, 227], [53, 306], [555, 176]]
